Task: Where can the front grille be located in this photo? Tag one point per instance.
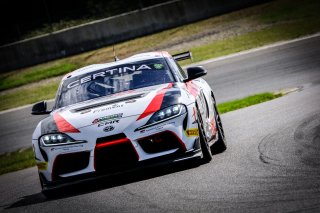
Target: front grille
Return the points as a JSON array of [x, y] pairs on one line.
[[161, 142], [71, 162], [114, 151]]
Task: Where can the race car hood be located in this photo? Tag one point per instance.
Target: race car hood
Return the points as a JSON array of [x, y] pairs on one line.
[[137, 104]]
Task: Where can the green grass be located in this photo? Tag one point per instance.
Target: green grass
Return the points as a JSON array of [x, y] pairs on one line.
[[14, 161], [27, 96], [245, 102], [15, 79], [18, 160]]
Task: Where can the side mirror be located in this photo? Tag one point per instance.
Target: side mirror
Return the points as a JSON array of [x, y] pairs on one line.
[[40, 108], [195, 72]]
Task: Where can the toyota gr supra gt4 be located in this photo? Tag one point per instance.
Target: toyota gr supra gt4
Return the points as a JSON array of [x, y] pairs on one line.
[[139, 111]]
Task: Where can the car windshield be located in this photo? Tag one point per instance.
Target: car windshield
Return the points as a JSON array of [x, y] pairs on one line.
[[113, 80]]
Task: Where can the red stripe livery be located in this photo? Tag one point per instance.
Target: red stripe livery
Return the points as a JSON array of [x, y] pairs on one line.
[[155, 103], [63, 125], [192, 88]]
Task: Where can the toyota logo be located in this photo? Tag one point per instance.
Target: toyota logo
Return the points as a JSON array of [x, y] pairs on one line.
[[108, 128]]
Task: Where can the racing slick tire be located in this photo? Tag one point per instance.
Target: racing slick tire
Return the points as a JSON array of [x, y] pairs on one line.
[[221, 145], [206, 151], [48, 193]]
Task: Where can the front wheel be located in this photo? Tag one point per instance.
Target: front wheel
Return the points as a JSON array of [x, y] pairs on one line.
[[220, 145], [206, 151], [49, 194]]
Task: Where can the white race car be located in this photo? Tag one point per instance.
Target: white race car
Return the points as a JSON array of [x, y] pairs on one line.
[[128, 114]]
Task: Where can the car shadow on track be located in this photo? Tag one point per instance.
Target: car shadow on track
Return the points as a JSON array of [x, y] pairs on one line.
[[105, 183]]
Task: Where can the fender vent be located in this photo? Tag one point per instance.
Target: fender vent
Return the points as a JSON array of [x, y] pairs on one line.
[[161, 142]]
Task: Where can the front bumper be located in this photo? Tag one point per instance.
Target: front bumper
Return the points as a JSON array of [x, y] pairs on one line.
[[178, 156], [121, 151]]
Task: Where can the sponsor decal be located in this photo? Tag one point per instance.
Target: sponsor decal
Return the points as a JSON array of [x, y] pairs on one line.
[[42, 165], [108, 122], [113, 106], [108, 117], [108, 128], [158, 127], [108, 72], [67, 147], [192, 132], [158, 66]]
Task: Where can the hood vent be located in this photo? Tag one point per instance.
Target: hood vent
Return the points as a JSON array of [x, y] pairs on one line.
[[113, 101]]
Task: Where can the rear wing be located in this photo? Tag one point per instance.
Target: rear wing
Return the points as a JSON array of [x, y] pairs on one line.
[[182, 56]]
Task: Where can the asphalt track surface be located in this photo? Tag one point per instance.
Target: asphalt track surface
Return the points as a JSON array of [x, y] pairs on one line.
[[272, 163]]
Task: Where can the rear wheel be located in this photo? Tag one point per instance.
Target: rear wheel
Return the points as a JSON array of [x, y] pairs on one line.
[[206, 151]]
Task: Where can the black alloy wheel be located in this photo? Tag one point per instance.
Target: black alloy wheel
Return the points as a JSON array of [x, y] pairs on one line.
[[220, 145], [206, 151]]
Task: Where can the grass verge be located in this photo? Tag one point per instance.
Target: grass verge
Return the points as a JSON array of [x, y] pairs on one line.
[[9, 80], [14, 161], [26, 96], [18, 160], [245, 102]]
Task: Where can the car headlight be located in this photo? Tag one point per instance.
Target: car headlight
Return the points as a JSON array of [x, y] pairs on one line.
[[166, 114], [57, 139]]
